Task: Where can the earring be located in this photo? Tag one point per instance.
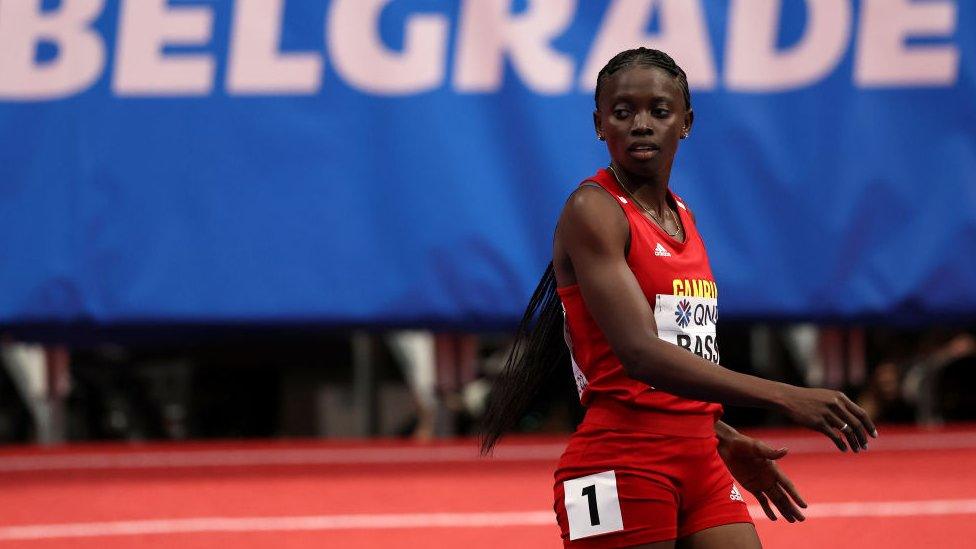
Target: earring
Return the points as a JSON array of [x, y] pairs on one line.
[[684, 135], [600, 137]]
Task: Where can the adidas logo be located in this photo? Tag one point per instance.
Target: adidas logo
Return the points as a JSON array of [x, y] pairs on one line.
[[660, 251], [735, 495]]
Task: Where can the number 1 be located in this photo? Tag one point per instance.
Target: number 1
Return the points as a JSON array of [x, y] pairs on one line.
[[590, 493]]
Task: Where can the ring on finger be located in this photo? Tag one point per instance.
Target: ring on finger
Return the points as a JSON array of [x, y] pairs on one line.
[[845, 428]]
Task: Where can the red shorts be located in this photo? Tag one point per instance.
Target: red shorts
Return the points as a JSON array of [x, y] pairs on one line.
[[618, 488]]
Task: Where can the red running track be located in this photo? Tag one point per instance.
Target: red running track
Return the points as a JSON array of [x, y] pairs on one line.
[[912, 489]]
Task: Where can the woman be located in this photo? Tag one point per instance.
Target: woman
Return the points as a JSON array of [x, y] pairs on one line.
[[649, 465]]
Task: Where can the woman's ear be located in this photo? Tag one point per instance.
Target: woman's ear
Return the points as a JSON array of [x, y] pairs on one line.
[[598, 126], [689, 120]]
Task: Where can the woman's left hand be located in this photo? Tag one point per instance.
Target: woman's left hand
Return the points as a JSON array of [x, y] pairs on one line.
[[753, 464]]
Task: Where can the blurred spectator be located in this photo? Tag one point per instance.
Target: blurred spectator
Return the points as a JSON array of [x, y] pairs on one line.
[[41, 376], [938, 350], [909, 383], [415, 351], [883, 400]]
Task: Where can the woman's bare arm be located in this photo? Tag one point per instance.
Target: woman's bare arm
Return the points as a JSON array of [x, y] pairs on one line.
[[589, 233]]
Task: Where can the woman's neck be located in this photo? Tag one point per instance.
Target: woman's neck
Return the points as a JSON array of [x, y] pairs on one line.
[[651, 191]]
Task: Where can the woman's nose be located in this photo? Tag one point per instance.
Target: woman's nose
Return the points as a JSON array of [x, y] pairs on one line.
[[642, 123]]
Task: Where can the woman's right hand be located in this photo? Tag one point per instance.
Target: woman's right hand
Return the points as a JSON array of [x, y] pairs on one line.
[[831, 413]]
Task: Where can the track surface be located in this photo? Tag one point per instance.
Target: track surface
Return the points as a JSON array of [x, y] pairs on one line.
[[912, 489]]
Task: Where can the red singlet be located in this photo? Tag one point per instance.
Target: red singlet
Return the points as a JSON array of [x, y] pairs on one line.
[[677, 281], [643, 466]]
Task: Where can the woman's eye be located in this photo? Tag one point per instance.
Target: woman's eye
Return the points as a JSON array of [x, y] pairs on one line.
[[661, 113], [621, 113]]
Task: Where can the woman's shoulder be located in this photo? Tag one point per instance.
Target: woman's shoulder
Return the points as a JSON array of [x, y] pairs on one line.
[[592, 214], [597, 185], [590, 199]]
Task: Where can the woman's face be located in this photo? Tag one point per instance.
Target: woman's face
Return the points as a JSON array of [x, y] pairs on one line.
[[642, 115]]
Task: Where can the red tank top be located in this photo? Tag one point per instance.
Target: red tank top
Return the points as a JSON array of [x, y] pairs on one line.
[[677, 281]]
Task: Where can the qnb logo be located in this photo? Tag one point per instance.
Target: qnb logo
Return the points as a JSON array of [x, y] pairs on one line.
[[682, 314]]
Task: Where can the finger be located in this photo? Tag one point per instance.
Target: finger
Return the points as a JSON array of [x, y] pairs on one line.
[[764, 503], [845, 430], [856, 428], [788, 486], [830, 433], [782, 504], [763, 450], [785, 505], [862, 415]]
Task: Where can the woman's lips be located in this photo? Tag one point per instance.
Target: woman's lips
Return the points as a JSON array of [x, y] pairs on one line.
[[642, 151]]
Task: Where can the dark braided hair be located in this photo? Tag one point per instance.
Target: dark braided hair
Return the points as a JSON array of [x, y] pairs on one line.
[[645, 57], [539, 346], [538, 349]]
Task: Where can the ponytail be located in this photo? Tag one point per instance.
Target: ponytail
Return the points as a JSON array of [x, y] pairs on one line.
[[538, 349]]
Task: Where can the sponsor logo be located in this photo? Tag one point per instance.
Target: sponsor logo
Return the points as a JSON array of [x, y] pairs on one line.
[[735, 495], [660, 251], [682, 313]]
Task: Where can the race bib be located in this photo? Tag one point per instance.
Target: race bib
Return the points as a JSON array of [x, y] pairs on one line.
[[688, 322], [592, 505], [581, 382]]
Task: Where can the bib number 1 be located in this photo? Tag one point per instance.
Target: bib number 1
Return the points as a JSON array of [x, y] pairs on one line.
[[590, 493], [592, 505]]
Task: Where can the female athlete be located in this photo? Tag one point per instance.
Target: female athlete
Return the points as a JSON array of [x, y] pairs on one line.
[[631, 291]]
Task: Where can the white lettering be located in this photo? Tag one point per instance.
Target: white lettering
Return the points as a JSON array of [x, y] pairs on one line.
[[53, 52], [80, 51], [145, 28], [885, 59], [488, 30], [755, 65], [682, 34], [256, 65], [359, 55]]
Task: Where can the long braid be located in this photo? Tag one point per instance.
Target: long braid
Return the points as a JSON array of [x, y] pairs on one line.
[[538, 349]]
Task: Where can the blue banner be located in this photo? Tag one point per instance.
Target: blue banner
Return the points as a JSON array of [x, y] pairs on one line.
[[403, 162]]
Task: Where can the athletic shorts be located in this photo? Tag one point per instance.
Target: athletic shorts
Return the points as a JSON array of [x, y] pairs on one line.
[[618, 488]]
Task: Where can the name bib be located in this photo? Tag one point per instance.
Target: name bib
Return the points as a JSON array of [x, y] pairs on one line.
[[688, 322]]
